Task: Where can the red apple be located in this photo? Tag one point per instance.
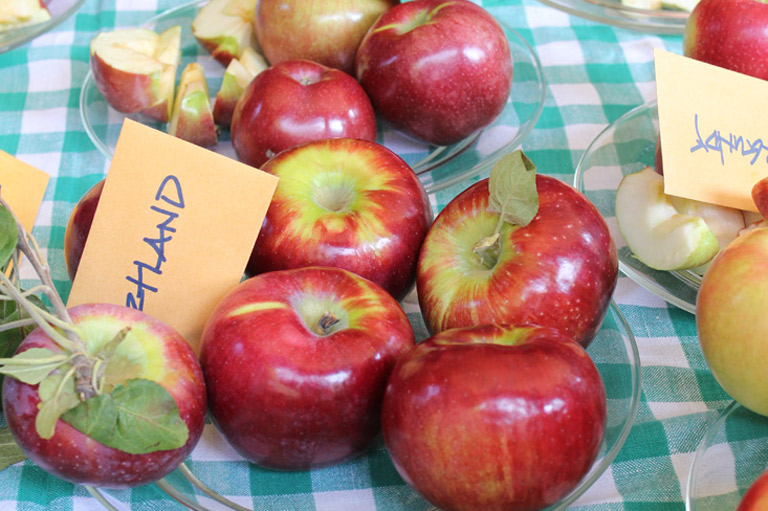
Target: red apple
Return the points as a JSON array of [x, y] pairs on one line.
[[756, 497], [296, 363], [494, 417], [294, 102], [22, 13], [151, 350], [327, 32], [559, 270], [347, 203], [440, 70], [730, 34], [135, 69], [225, 28], [78, 227], [192, 116]]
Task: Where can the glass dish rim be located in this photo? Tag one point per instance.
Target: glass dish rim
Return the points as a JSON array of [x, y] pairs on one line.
[[657, 21], [26, 34], [485, 163], [638, 277]]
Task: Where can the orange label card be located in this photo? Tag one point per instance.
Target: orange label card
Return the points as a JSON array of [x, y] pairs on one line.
[[714, 137], [23, 188], [173, 230]]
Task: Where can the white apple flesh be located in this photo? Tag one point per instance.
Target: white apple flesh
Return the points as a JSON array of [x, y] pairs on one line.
[[656, 233], [135, 69], [237, 76], [22, 13], [225, 28]]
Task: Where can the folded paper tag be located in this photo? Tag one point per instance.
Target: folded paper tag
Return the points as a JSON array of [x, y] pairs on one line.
[[712, 126], [23, 187], [173, 230]]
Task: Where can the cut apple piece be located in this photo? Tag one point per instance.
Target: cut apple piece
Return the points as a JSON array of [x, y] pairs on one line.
[[680, 5], [22, 13], [225, 28], [237, 76], [654, 231], [135, 69], [192, 118]]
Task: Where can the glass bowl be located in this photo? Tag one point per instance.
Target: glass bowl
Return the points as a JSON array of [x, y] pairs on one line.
[[624, 147], [214, 477], [438, 167], [732, 454], [60, 10], [613, 12]]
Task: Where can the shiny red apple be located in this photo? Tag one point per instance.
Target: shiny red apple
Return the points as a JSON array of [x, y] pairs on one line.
[[296, 363], [756, 497], [347, 203], [298, 101], [729, 34], [559, 270], [78, 227], [439, 70], [494, 417]]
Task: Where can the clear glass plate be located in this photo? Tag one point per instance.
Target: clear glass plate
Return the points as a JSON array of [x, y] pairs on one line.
[[215, 478], [613, 12], [437, 166], [626, 146], [60, 10], [732, 454]]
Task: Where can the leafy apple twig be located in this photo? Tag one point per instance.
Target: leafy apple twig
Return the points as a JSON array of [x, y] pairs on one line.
[[513, 195], [100, 394]]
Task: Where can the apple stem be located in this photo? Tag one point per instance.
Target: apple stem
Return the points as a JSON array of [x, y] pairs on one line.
[[326, 322], [488, 249], [52, 324]]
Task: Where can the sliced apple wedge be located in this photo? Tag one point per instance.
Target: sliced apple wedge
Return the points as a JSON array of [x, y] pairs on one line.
[[237, 76], [192, 118], [135, 69], [22, 13], [225, 28], [655, 232]]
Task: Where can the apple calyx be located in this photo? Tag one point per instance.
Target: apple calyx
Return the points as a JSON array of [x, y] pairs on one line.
[[513, 195], [100, 394]]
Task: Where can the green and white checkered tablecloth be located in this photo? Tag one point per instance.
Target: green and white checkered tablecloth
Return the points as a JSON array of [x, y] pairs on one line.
[[594, 74]]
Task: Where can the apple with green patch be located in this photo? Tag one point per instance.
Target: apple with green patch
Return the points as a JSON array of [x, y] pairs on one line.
[[671, 233], [134, 69], [730, 314], [192, 116], [98, 394], [225, 28], [296, 363], [237, 76], [518, 248], [347, 203]]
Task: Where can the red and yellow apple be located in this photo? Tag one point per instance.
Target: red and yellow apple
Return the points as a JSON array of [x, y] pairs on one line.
[[347, 203], [439, 70], [494, 417], [326, 32], [135, 69], [298, 101], [296, 363]]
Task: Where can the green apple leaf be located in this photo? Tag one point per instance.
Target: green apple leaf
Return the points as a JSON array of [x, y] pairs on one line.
[[10, 452], [9, 237], [512, 188], [33, 365], [138, 417], [57, 395]]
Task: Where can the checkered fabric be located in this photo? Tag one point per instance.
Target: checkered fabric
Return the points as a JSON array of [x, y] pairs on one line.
[[594, 73]]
